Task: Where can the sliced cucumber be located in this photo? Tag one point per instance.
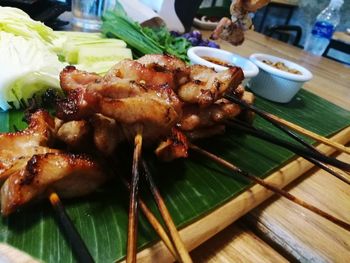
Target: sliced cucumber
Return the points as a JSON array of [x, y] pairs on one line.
[[91, 54], [99, 67], [79, 35], [71, 48]]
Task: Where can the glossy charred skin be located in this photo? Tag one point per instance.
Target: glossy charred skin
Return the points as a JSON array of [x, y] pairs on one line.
[[131, 93], [69, 175], [40, 132], [17, 147], [168, 63], [197, 118], [70, 79], [171, 101], [174, 147], [158, 92], [207, 86]]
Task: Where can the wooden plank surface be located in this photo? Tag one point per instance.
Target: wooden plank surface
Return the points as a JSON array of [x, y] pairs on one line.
[[306, 237], [237, 243], [342, 36]]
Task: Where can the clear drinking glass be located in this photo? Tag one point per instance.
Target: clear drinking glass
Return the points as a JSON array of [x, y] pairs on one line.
[[87, 13]]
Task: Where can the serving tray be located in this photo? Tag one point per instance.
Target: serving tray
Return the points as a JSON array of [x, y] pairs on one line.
[[200, 196]]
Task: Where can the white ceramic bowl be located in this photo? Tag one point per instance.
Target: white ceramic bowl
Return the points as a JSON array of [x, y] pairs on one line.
[[275, 84], [195, 55]]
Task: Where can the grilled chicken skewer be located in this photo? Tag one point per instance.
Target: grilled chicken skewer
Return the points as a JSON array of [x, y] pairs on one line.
[[31, 170], [232, 30], [160, 93]]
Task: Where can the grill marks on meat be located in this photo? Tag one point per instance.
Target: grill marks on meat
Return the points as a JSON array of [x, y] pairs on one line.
[[174, 147], [70, 79], [195, 117], [156, 117], [67, 174], [158, 92], [29, 167], [168, 63], [17, 147], [148, 75], [131, 93], [207, 86]]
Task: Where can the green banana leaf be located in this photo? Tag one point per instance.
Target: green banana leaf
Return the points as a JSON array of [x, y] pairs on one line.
[[191, 187]]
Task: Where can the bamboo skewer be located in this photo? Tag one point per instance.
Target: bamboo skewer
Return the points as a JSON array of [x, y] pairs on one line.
[[157, 226], [272, 188], [178, 243], [297, 149], [274, 119], [78, 245], [133, 203], [263, 135]]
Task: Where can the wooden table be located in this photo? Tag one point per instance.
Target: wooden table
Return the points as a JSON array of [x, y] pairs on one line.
[[340, 42], [278, 230], [341, 36]]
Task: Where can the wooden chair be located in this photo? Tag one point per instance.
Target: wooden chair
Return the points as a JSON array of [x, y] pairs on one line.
[[339, 46], [286, 33]]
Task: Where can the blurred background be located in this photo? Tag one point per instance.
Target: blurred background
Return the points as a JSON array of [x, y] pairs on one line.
[[287, 20], [297, 14]]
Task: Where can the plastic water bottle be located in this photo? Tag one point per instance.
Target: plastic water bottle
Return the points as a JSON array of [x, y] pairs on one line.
[[323, 28]]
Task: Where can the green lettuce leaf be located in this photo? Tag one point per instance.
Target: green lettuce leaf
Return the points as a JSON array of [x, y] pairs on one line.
[[17, 22], [26, 66]]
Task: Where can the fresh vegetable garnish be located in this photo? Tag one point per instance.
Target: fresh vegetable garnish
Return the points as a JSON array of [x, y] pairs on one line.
[[143, 40], [32, 56], [17, 22], [92, 52], [27, 66]]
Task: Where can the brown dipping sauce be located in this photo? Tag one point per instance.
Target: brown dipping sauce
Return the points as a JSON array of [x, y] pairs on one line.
[[217, 61], [282, 66]]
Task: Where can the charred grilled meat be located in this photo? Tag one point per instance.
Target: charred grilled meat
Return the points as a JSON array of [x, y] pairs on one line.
[[232, 30], [172, 102], [67, 174], [30, 166], [17, 147]]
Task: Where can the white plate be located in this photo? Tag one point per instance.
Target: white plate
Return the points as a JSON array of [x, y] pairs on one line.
[[204, 24]]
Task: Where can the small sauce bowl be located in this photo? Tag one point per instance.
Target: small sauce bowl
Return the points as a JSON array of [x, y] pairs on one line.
[[275, 84]]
